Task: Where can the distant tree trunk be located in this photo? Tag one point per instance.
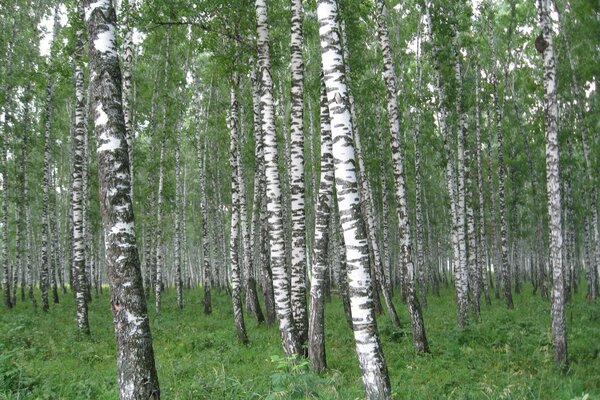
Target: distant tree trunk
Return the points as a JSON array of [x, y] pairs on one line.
[[590, 220], [234, 258], [206, 269], [482, 248], [368, 347], [178, 222], [4, 112], [298, 273], [499, 111], [45, 265], [135, 355], [158, 279], [274, 210], [389, 76], [461, 269], [316, 330], [158, 283], [553, 181], [128, 8]]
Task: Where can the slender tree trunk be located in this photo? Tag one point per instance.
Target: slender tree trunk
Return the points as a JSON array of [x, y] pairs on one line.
[[461, 269], [128, 8], [238, 315], [374, 370], [316, 330], [5, 112], [78, 266], [45, 262], [298, 275], [261, 240], [158, 278], [389, 76], [553, 181], [251, 294], [499, 111], [135, 355], [274, 210], [482, 248], [591, 220], [178, 222], [368, 207]]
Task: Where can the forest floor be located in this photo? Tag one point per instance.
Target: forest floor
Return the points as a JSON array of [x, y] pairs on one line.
[[505, 355]]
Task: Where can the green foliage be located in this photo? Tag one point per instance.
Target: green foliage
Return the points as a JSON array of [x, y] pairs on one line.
[[294, 380], [505, 355]]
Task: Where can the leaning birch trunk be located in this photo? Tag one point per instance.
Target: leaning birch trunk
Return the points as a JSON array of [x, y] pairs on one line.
[[78, 266], [368, 347], [368, 207], [274, 210], [234, 257], [553, 182], [261, 240], [298, 275], [135, 356], [389, 76], [248, 266], [316, 328]]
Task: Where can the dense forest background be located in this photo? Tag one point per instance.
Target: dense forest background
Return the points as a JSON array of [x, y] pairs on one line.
[[465, 208]]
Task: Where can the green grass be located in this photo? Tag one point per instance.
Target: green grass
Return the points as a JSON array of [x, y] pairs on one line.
[[507, 354]]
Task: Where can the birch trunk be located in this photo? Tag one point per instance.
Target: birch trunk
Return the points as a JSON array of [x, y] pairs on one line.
[[389, 76], [316, 330], [135, 356], [553, 182], [236, 298], [298, 273], [368, 207], [274, 209], [482, 248], [374, 370], [178, 222]]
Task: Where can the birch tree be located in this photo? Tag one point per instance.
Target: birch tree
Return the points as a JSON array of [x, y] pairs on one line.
[[135, 355], [274, 209], [370, 355], [553, 186], [389, 77]]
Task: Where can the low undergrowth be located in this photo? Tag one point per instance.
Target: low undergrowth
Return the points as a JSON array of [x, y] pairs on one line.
[[507, 354]]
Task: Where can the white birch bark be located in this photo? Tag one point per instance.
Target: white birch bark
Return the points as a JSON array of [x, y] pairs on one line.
[[298, 273], [135, 356], [374, 370], [234, 238], [389, 77], [78, 266], [316, 330], [274, 209], [553, 189]]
